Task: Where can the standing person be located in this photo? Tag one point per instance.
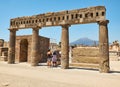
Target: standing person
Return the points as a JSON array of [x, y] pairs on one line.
[[54, 59], [59, 58], [49, 58]]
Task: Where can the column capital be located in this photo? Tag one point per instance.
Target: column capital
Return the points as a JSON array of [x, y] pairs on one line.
[[36, 28], [13, 29], [66, 25], [103, 22]]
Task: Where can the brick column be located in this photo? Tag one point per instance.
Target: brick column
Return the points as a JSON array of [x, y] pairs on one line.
[[11, 51], [65, 47], [103, 46], [35, 48]]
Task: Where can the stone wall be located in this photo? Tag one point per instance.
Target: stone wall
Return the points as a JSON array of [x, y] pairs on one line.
[[3, 51], [91, 55], [44, 46], [23, 48], [85, 55]]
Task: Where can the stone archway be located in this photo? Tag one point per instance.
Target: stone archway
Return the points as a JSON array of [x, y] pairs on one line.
[[23, 50]]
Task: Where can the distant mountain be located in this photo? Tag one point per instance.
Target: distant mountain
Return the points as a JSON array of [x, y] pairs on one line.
[[85, 42]]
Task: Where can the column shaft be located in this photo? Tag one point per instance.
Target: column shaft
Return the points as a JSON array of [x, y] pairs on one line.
[[103, 47], [65, 47], [35, 48], [11, 52]]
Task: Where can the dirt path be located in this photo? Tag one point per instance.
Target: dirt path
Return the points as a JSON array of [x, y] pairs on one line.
[[23, 75]]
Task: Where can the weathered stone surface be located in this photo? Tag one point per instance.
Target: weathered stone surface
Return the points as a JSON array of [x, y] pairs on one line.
[[24, 43], [34, 51], [65, 47], [85, 55], [103, 46], [4, 53], [78, 16], [11, 52]]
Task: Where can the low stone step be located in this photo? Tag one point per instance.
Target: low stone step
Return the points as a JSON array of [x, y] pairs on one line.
[[85, 65]]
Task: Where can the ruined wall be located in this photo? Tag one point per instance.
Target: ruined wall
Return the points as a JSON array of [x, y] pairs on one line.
[[3, 51], [85, 55], [21, 48], [44, 46], [17, 48]]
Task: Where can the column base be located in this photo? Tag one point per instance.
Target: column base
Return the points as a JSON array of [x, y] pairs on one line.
[[106, 70], [34, 64], [11, 62], [65, 63]]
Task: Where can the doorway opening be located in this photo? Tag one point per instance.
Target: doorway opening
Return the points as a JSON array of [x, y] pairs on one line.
[[23, 50]]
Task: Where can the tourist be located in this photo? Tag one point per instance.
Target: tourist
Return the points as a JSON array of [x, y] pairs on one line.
[[58, 58], [54, 59], [49, 58]]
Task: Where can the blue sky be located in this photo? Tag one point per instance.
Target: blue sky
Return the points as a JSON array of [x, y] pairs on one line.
[[18, 8]]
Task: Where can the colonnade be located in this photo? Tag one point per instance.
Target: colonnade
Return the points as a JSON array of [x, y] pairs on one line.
[[103, 46]]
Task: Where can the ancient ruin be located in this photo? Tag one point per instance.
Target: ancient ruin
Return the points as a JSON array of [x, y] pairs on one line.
[[85, 55], [3, 51], [23, 48], [64, 19]]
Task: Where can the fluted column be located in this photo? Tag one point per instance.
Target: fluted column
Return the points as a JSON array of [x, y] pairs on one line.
[[103, 46], [35, 48], [65, 47], [11, 52]]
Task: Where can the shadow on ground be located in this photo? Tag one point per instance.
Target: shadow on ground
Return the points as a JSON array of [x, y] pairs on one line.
[[84, 68], [115, 72]]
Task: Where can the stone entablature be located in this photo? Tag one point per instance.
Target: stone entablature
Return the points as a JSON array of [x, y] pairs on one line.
[[78, 16]]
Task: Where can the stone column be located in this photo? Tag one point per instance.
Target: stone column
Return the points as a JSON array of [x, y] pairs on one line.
[[103, 46], [35, 48], [11, 51], [65, 47]]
